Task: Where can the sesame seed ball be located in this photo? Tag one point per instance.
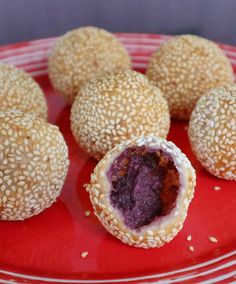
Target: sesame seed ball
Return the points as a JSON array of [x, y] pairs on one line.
[[212, 131], [81, 54], [184, 68], [141, 191], [19, 91], [115, 107], [33, 165]]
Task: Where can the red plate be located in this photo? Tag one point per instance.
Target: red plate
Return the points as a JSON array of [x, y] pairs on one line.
[[47, 247]]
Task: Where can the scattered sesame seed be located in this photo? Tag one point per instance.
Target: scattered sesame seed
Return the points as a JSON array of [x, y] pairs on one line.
[[191, 248], [189, 238], [84, 254], [216, 188], [212, 239], [87, 213]]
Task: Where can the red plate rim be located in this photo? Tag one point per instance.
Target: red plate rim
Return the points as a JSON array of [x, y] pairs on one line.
[[31, 56], [189, 273]]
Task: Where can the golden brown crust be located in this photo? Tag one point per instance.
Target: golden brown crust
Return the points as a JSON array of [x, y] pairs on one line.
[[33, 165], [19, 91], [158, 232], [81, 54], [116, 107], [212, 131], [184, 68]]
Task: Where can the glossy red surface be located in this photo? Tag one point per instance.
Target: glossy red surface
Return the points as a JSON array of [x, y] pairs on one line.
[[50, 244]]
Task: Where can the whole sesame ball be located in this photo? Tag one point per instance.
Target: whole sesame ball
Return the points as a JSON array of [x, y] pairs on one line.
[[33, 165], [186, 67], [115, 107], [19, 91], [212, 131], [81, 54]]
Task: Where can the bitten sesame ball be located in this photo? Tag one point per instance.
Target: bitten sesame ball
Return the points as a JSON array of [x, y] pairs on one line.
[[33, 165], [212, 131], [141, 191], [116, 107], [184, 68], [19, 91], [81, 54]]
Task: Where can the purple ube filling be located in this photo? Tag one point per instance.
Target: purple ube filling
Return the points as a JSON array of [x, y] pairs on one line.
[[144, 185]]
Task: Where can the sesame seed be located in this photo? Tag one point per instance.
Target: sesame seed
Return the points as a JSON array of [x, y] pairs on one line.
[[87, 213], [212, 239], [140, 238], [84, 254], [150, 233], [189, 238], [191, 248], [216, 188]]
